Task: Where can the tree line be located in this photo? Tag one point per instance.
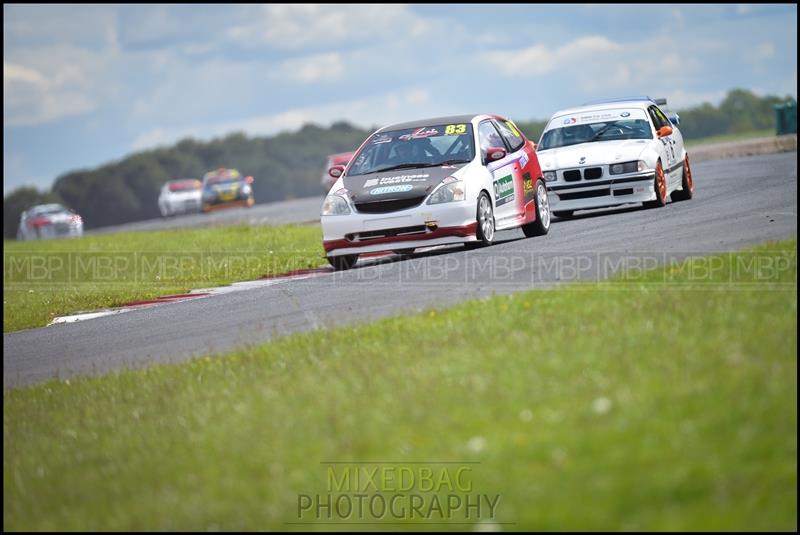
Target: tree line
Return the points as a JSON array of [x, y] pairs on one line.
[[287, 165]]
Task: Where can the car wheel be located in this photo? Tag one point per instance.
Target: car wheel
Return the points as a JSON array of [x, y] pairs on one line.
[[660, 186], [340, 263], [541, 226], [564, 214], [687, 184], [485, 219]]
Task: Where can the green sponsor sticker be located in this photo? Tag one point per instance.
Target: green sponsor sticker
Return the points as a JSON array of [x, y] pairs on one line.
[[503, 190]]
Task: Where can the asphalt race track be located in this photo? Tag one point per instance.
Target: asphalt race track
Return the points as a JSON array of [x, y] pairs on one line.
[[738, 202], [277, 213]]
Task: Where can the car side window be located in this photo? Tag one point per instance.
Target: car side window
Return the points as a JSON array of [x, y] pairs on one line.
[[488, 137], [510, 133], [662, 116], [658, 117]]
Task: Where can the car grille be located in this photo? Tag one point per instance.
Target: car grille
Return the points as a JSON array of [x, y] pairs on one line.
[[590, 173], [382, 207], [584, 194], [375, 234]]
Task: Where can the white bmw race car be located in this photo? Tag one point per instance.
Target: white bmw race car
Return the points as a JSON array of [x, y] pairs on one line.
[[614, 152], [439, 181], [180, 197]]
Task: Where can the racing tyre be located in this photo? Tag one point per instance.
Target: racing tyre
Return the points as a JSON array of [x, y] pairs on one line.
[[687, 191], [340, 263], [564, 214], [541, 225], [485, 219], [660, 185]]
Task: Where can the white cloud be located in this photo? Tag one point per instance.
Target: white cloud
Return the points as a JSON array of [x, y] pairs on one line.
[[541, 59], [19, 74], [31, 98], [379, 110], [301, 25], [762, 52], [312, 69]]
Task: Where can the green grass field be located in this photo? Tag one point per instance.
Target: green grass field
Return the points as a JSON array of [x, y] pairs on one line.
[[44, 279], [725, 138], [666, 402]]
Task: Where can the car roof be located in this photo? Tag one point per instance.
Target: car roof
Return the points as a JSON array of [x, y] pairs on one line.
[[613, 105], [46, 207], [447, 119]]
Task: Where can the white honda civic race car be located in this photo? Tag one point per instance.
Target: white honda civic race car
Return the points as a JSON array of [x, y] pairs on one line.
[[614, 152], [433, 182]]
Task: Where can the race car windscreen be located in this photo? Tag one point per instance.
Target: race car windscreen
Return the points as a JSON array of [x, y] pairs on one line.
[[611, 125], [184, 185], [223, 178], [428, 146], [49, 210]]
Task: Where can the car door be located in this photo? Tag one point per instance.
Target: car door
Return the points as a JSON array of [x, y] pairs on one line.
[[504, 191], [525, 172], [669, 154]]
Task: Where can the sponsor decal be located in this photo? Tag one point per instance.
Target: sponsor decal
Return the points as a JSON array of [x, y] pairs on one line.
[[503, 190], [527, 183], [383, 138], [420, 133], [523, 161], [455, 130], [399, 179], [570, 120], [390, 189]]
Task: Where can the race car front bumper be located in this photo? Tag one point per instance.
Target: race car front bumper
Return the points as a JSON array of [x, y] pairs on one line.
[[588, 194], [421, 226]]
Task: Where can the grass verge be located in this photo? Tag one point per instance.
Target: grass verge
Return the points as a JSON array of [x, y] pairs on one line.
[[44, 279], [667, 402]]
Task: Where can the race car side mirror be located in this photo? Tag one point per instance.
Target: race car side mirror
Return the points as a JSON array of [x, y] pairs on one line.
[[665, 131], [336, 171], [494, 154]]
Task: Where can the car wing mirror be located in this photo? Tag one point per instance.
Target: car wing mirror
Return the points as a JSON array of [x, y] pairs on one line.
[[495, 153], [336, 171], [665, 131]]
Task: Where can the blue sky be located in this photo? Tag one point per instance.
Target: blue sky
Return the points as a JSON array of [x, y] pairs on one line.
[[86, 85]]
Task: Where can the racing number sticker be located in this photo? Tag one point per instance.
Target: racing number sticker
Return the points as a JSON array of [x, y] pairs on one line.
[[455, 130]]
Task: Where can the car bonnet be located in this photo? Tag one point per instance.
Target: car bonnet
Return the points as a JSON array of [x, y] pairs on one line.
[[398, 184]]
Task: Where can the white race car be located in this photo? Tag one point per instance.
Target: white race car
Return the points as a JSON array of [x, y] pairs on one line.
[[614, 152], [440, 181], [49, 221], [180, 197]]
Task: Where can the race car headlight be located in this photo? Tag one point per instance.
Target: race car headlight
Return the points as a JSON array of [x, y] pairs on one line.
[[627, 167], [335, 204], [450, 190], [549, 176]]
